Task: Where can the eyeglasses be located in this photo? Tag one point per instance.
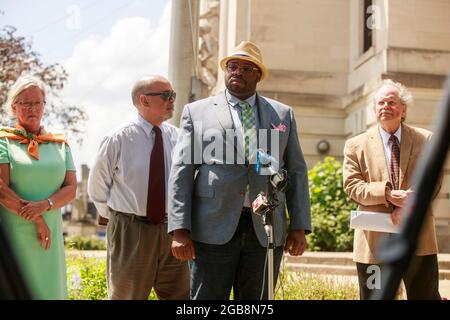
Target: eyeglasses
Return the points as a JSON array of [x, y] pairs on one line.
[[30, 104], [166, 95], [232, 67]]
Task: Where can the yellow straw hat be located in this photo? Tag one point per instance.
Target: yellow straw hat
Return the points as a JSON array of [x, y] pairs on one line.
[[247, 51]]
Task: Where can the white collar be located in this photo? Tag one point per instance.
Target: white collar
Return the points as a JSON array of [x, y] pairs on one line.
[[386, 135], [233, 101], [147, 126]]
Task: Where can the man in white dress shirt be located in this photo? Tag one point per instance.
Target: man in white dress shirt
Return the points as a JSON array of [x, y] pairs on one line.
[[128, 184]]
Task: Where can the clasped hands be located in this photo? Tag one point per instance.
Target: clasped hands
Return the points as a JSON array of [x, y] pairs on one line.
[[32, 211], [398, 198]]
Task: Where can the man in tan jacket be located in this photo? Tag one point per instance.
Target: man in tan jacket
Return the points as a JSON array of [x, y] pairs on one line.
[[378, 170]]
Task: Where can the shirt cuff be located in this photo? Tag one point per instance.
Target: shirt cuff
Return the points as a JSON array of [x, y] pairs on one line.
[[103, 209]]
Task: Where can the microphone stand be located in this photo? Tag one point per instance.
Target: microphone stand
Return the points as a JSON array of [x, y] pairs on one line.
[[267, 219], [276, 181]]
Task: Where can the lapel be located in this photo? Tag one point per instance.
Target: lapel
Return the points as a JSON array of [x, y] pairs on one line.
[[263, 114], [377, 148], [222, 111], [266, 113], [267, 116], [405, 152]]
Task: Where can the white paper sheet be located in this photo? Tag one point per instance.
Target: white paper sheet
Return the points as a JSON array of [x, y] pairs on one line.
[[373, 221]]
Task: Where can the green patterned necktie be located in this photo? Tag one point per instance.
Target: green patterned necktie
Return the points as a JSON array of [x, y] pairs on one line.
[[249, 129]]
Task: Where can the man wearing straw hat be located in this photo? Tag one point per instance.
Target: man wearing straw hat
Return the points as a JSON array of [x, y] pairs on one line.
[[214, 182]]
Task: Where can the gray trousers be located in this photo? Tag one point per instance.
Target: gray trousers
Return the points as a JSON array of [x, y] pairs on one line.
[[139, 258]]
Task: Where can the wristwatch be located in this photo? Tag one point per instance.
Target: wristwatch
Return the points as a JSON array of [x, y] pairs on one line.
[[50, 203]]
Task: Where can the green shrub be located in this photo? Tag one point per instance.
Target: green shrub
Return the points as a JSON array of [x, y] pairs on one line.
[[86, 278], [301, 286], [85, 243], [330, 208]]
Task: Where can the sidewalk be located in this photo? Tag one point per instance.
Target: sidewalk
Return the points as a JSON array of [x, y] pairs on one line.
[[444, 288]]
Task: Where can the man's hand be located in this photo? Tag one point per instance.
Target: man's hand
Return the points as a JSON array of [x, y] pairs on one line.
[[295, 243], [182, 245], [396, 216], [398, 197]]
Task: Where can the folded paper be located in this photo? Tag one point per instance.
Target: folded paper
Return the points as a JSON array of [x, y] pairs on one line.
[[373, 221]]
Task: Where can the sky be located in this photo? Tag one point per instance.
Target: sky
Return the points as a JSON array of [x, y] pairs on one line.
[[104, 45]]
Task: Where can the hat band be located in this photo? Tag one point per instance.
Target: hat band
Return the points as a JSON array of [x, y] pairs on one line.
[[240, 55]]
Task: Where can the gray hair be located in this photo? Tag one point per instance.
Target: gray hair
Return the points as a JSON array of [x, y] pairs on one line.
[[404, 94], [22, 83], [140, 87]]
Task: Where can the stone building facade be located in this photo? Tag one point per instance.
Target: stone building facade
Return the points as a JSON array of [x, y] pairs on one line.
[[325, 59]]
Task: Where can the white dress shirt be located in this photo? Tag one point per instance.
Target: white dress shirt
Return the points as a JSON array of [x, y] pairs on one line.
[[120, 174], [236, 111], [236, 114], [388, 145]]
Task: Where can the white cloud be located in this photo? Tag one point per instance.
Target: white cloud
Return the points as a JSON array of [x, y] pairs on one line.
[[102, 71]]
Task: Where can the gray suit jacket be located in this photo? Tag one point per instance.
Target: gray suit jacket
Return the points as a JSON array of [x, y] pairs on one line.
[[206, 194]]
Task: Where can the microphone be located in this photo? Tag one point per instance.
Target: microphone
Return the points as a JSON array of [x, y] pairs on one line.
[[268, 165], [260, 204], [265, 163]]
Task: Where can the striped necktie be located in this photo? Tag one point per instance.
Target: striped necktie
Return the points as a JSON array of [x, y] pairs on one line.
[[395, 161], [249, 128]]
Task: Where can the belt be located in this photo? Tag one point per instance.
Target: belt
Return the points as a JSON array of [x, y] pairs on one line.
[[246, 210], [134, 217]]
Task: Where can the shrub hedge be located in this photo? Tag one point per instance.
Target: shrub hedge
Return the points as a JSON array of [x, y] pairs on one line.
[[330, 208], [84, 243]]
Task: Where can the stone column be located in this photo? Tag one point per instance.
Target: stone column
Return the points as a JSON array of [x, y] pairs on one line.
[[183, 51]]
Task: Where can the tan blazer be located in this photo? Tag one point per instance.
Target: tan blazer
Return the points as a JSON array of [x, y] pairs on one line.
[[365, 177]]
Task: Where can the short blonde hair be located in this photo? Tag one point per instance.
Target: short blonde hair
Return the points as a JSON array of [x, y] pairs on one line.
[[404, 94], [21, 84]]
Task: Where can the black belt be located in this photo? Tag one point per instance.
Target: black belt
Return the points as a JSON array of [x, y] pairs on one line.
[[246, 210]]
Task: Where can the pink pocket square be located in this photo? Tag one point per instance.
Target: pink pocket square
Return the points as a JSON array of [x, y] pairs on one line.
[[281, 127]]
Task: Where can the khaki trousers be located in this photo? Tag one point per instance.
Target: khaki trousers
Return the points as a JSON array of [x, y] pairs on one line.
[[139, 258]]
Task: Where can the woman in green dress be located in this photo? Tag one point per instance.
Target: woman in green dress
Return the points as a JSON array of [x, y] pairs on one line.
[[37, 179]]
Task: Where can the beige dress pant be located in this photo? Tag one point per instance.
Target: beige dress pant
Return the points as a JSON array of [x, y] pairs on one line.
[[139, 257]]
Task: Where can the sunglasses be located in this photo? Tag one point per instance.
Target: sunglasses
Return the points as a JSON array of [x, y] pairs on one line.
[[166, 95]]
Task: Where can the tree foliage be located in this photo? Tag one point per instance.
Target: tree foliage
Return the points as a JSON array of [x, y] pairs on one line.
[[330, 208], [17, 58]]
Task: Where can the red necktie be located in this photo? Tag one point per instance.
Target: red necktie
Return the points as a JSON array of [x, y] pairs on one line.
[[156, 197], [395, 161]]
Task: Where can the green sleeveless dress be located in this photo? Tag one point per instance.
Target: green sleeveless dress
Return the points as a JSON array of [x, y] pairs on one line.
[[44, 270]]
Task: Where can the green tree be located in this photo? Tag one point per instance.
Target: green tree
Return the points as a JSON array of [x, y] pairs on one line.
[[330, 208], [17, 58]]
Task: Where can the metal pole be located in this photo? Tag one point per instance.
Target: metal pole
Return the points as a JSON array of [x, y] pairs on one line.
[[183, 52], [269, 232], [268, 227]]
